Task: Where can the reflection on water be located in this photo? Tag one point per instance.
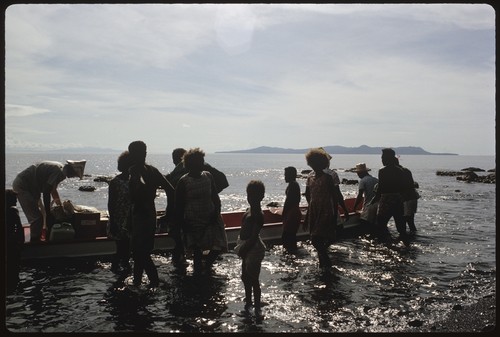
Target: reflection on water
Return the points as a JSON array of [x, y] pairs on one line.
[[372, 288]]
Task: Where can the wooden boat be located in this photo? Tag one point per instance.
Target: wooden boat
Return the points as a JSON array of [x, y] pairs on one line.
[[100, 245]]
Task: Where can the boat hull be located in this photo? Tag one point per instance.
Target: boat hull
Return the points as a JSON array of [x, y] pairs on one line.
[[104, 246]]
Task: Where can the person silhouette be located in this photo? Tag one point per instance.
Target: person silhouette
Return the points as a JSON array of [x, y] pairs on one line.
[[197, 211], [392, 182], [410, 200], [119, 206], [39, 179], [144, 181], [366, 192], [250, 247], [323, 196], [220, 180], [291, 210]]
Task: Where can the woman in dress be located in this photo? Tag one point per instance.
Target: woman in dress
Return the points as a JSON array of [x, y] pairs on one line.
[[197, 209], [323, 197], [119, 214]]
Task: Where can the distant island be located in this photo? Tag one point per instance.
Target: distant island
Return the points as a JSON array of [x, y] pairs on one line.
[[336, 149]]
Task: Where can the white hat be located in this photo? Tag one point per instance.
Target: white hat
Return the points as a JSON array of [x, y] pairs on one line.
[[78, 166]]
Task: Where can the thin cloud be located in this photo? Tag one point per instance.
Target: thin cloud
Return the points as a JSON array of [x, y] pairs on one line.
[[299, 74], [14, 110]]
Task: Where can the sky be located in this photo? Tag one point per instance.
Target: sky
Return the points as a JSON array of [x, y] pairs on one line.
[[226, 77]]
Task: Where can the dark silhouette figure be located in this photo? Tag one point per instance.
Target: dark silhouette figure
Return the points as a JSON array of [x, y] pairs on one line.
[[410, 200], [143, 183], [197, 211], [220, 180], [177, 157], [291, 210], [339, 200], [323, 197], [42, 179], [14, 240], [250, 246], [120, 220], [392, 182]]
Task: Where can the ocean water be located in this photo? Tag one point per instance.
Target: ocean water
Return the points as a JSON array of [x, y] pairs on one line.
[[372, 288]]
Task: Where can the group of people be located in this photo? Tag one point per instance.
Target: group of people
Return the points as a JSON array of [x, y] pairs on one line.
[[392, 195], [193, 210]]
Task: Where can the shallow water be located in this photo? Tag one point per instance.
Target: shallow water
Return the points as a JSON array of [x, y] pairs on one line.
[[372, 288]]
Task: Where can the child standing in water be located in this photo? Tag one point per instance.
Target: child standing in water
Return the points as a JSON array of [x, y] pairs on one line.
[[291, 211], [250, 246]]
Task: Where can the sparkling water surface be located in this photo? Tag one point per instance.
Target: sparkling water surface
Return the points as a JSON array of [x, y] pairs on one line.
[[372, 288]]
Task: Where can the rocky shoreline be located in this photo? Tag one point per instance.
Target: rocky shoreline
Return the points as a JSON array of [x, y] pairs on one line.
[[477, 317], [469, 175]]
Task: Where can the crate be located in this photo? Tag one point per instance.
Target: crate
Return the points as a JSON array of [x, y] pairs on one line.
[[88, 225]]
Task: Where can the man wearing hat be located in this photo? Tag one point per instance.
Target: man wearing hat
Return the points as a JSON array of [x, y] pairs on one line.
[[43, 178], [367, 190]]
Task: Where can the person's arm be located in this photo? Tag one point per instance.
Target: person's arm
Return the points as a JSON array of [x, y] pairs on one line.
[[376, 189], [358, 199], [219, 177], [49, 218], [55, 196], [307, 192], [215, 197], [340, 200]]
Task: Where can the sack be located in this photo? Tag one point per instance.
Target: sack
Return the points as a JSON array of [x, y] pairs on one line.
[[68, 206], [59, 213], [85, 209]]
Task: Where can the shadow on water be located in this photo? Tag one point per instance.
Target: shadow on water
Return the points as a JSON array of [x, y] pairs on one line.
[[182, 303], [371, 288], [128, 306]]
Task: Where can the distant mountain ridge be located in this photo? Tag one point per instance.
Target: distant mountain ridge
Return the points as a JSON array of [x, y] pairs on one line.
[[337, 149]]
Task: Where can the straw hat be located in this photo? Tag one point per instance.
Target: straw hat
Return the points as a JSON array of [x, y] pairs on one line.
[[361, 167], [78, 166]]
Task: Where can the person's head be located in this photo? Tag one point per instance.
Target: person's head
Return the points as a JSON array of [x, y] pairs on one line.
[[318, 159], [194, 159], [124, 161], [10, 198], [327, 154], [255, 192], [388, 156], [290, 173], [74, 168], [177, 155], [361, 170], [137, 151]]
